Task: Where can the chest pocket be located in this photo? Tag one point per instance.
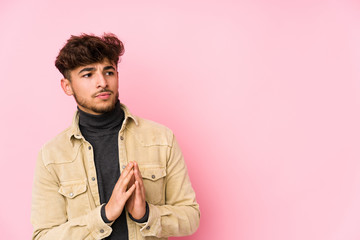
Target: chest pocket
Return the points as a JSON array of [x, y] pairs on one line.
[[75, 193], [154, 183]]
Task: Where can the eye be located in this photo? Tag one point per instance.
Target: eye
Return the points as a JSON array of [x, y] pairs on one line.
[[87, 75], [109, 73]]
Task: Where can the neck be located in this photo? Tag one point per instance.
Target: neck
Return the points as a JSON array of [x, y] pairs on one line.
[[106, 120]]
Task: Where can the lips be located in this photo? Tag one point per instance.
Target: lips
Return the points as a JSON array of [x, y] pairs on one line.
[[103, 95]]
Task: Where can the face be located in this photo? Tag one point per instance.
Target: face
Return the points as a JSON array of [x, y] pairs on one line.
[[94, 87]]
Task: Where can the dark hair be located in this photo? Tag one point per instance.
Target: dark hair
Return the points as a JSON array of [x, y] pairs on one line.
[[87, 49]]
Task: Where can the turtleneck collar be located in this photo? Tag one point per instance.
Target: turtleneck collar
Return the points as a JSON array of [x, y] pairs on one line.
[[108, 121]]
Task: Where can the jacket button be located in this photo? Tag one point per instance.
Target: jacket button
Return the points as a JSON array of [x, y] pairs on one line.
[[93, 178], [153, 176], [148, 228], [89, 147], [102, 231], [121, 138], [123, 167], [71, 194]]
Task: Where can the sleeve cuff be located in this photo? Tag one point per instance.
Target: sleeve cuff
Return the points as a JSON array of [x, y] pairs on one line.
[[98, 228], [103, 214]]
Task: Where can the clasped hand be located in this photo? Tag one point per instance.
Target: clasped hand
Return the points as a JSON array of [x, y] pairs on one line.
[[128, 192]]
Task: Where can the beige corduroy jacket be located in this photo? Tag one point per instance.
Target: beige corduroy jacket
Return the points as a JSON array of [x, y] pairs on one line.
[[66, 203]]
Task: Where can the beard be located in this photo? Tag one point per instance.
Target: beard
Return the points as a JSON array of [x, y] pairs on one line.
[[97, 108]]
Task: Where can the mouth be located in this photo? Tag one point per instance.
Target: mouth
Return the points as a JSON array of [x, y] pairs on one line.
[[103, 95]]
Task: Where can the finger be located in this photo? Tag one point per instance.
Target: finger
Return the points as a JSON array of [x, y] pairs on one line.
[[140, 187], [124, 173], [130, 191], [137, 173], [139, 191], [127, 168], [124, 183], [136, 167], [132, 181], [140, 184], [139, 179]]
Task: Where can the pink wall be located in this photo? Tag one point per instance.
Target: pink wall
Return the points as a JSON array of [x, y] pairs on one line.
[[264, 99]]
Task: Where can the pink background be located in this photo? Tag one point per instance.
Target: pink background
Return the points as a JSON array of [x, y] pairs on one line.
[[264, 97]]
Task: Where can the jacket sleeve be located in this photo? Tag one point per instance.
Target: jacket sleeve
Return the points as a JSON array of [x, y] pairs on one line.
[[49, 215], [180, 215]]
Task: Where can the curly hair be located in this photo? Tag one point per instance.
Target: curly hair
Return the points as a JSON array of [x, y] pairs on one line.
[[87, 49]]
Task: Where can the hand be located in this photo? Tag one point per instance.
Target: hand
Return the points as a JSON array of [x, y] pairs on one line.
[[136, 204], [121, 193]]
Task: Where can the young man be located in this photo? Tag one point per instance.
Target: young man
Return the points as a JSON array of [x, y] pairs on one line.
[[110, 175]]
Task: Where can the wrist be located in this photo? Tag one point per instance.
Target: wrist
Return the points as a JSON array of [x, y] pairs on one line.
[[145, 216], [103, 215], [108, 213]]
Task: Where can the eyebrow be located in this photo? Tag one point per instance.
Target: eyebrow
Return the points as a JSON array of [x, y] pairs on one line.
[[89, 69], [109, 67]]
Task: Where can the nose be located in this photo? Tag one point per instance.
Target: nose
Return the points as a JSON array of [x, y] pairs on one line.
[[101, 81]]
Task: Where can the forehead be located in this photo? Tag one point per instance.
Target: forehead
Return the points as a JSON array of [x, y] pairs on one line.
[[102, 64]]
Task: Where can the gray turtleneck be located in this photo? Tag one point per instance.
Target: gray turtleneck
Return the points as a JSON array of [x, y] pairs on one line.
[[101, 131]]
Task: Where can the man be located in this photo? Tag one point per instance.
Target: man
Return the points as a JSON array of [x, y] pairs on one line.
[[110, 175]]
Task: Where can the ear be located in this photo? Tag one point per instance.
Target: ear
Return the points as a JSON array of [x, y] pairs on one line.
[[66, 86]]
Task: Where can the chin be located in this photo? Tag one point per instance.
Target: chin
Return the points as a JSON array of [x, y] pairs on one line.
[[105, 109]]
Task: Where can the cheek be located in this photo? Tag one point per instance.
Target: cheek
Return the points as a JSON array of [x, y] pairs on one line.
[[113, 85], [82, 90]]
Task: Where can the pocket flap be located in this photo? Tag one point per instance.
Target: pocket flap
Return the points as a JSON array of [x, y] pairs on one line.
[[71, 190], [153, 173]]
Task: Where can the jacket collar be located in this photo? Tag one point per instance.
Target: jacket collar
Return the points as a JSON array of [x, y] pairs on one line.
[[75, 133]]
